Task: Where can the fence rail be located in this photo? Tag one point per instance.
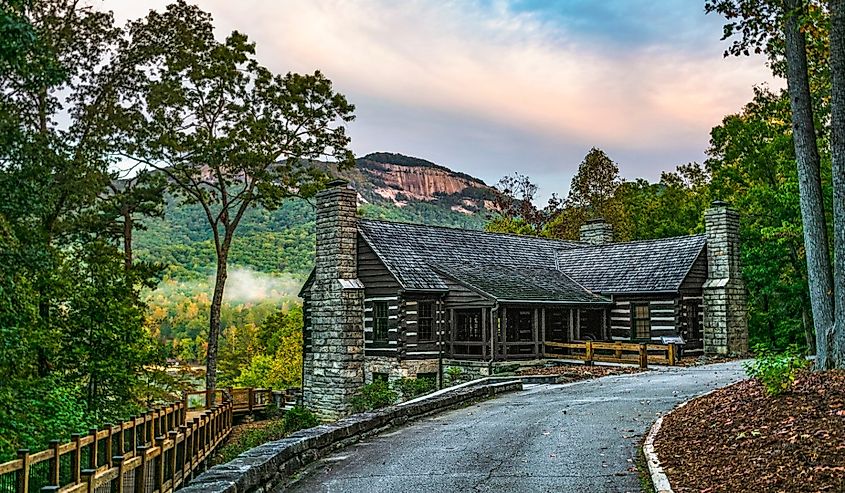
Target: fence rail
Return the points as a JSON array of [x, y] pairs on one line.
[[613, 352], [155, 452]]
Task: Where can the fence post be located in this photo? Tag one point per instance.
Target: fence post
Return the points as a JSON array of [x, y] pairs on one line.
[[159, 473], [55, 463], [23, 473], [88, 477], [184, 414], [94, 455], [251, 398], [117, 485], [588, 353], [109, 439], [186, 455], [141, 470], [643, 356], [173, 434], [76, 459], [618, 351], [672, 354]]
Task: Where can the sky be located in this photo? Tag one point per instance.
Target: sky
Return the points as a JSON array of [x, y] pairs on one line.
[[493, 87]]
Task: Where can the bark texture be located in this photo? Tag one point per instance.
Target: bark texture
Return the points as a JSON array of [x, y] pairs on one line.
[[809, 182], [837, 69], [214, 323]]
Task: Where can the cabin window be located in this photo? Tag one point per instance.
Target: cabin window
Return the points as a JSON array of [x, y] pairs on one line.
[[468, 325], [425, 321], [380, 321], [640, 321]]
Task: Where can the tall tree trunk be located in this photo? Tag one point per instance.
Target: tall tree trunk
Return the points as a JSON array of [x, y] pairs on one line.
[[809, 333], [214, 319], [127, 240], [837, 69], [809, 184]]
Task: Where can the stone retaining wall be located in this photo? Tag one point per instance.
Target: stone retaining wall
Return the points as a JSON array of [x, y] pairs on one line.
[[266, 468]]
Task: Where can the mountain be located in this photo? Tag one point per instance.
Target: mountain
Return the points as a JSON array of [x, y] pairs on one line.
[[390, 186]]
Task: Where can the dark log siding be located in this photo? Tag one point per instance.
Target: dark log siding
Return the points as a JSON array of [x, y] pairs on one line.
[[459, 296], [697, 275], [412, 346], [377, 279], [663, 312], [391, 348]]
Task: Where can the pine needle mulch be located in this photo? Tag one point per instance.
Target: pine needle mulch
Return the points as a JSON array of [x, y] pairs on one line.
[[738, 439]]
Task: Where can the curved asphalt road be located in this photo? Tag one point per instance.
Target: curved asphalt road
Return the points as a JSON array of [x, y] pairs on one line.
[[579, 437]]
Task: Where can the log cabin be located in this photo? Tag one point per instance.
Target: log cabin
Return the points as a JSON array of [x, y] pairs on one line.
[[389, 300]]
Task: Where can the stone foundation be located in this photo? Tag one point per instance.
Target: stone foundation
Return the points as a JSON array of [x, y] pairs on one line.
[[396, 369]]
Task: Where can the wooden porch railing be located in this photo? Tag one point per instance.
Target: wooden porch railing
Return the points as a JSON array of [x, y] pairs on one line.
[[155, 452], [614, 352]]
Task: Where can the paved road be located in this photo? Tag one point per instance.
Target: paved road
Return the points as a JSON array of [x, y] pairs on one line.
[[578, 437]]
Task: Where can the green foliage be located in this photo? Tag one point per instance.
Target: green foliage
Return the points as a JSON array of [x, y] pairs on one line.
[[267, 431], [38, 410], [373, 396], [776, 371], [299, 418], [454, 374], [409, 388], [73, 347]]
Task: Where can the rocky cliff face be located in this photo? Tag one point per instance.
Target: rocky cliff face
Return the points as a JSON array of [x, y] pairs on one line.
[[400, 180]]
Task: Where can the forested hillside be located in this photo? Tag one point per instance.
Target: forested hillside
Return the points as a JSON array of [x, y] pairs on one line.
[[391, 186], [274, 250]]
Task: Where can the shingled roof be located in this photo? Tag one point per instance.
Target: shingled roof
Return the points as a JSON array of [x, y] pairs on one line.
[[526, 268], [508, 283], [410, 250], [633, 267]]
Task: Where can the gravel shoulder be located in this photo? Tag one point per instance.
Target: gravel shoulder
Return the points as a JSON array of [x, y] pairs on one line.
[[579, 437]]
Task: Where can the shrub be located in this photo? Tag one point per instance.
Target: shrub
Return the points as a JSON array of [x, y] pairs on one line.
[[413, 387], [776, 371], [454, 373], [299, 418], [373, 396]]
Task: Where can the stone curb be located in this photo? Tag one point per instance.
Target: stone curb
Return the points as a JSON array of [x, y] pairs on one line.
[[658, 476], [268, 466]]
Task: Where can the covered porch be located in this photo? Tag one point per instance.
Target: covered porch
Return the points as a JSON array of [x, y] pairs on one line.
[[512, 331]]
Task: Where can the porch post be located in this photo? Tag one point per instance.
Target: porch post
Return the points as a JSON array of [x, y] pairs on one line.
[[484, 318], [542, 332], [504, 332], [535, 331]]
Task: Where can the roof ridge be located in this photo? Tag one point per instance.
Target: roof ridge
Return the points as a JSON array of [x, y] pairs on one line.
[[570, 243], [642, 242]]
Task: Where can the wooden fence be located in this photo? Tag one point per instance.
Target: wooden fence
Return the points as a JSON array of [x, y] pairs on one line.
[[613, 352], [153, 453]]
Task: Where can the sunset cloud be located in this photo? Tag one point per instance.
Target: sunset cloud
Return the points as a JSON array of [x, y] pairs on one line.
[[491, 87]]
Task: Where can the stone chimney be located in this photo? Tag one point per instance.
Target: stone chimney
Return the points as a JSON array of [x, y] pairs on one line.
[[597, 232], [725, 297], [334, 368]]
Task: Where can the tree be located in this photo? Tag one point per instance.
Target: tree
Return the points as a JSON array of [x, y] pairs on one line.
[[60, 275], [128, 199], [837, 69], [752, 163], [517, 213], [760, 24], [228, 133], [592, 194]]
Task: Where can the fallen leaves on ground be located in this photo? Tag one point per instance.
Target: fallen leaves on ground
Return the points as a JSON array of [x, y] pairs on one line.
[[739, 439], [572, 373]]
